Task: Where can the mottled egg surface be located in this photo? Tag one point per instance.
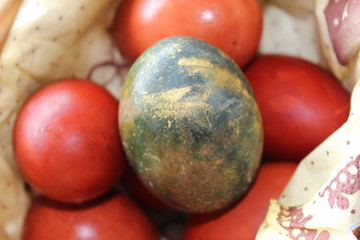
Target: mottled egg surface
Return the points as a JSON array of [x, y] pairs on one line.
[[190, 125]]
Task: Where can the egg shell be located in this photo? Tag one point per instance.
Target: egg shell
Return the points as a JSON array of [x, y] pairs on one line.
[[190, 125]]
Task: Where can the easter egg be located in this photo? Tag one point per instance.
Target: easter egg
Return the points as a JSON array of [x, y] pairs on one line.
[[190, 125]]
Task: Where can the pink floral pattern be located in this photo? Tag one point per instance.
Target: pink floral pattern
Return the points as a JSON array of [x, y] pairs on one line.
[[293, 221], [344, 184]]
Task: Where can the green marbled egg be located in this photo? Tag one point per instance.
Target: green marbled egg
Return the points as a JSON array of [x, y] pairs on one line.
[[190, 125]]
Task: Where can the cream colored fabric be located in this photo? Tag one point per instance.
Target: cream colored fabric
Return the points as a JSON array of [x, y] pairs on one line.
[[348, 74], [293, 35]]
